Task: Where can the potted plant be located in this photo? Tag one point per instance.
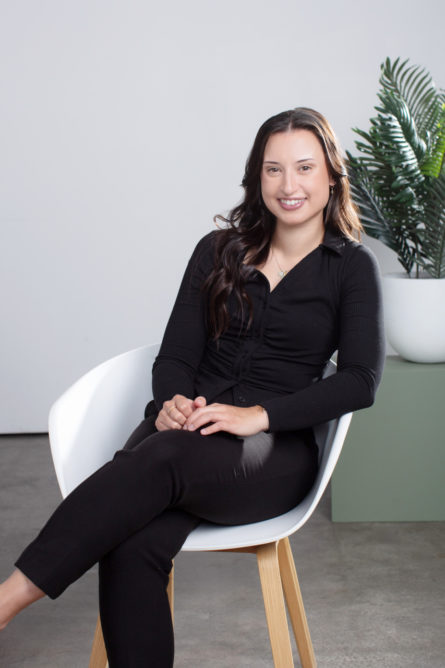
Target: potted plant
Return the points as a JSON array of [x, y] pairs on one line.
[[398, 183]]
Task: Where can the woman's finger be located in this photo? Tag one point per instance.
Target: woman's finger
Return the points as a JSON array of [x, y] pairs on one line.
[[172, 421], [164, 421], [170, 413], [233, 419], [160, 423], [200, 401], [213, 428], [176, 415], [183, 407], [202, 416]]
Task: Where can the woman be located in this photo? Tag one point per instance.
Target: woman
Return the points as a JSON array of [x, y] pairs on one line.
[[263, 305]]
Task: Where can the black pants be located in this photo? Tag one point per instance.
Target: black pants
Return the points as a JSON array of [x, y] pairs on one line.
[[133, 515]]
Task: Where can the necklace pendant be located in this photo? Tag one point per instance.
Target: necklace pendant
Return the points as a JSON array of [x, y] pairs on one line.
[[281, 272]]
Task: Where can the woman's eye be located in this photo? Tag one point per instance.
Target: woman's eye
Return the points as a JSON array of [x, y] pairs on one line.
[[305, 168], [272, 170]]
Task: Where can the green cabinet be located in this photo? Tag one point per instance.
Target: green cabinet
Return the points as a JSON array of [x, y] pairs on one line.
[[392, 467]]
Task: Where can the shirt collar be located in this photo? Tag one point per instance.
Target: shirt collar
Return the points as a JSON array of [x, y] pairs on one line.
[[334, 240]]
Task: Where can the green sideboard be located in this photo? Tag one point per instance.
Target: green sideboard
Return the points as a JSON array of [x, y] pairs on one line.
[[392, 467]]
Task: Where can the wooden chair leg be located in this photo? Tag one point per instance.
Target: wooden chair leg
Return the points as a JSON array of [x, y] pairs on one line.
[[171, 592], [295, 605], [268, 567], [98, 658]]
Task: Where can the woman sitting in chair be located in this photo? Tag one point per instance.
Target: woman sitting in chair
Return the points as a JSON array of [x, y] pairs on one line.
[[263, 305]]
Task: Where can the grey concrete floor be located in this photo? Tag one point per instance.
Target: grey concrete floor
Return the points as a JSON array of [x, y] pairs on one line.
[[374, 593]]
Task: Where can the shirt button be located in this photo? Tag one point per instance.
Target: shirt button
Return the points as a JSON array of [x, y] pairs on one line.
[[241, 398]]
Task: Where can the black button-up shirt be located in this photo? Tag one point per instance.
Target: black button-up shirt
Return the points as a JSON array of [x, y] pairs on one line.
[[329, 301]]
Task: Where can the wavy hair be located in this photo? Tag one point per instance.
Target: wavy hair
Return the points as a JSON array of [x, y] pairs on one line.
[[250, 225]]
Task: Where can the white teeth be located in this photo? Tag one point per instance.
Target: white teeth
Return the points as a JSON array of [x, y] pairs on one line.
[[291, 202]]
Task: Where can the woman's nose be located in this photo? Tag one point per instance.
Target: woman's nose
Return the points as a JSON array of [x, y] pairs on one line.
[[289, 184]]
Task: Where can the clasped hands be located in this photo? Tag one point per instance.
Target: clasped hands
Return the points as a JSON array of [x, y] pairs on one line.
[[191, 414]]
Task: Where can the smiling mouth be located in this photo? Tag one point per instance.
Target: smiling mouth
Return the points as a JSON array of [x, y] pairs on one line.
[[291, 203]]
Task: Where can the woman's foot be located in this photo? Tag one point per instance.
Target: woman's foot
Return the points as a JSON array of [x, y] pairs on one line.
[[16, 593]]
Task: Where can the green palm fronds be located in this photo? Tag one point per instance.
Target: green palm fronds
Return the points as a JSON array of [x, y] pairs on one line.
[[433, 164], [433, 243], [398, 181]]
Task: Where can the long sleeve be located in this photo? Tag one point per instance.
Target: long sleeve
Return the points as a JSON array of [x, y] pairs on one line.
[[361, 351], [185, 337]]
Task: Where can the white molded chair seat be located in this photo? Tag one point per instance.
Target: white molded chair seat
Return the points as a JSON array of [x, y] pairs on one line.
[[95, 417]]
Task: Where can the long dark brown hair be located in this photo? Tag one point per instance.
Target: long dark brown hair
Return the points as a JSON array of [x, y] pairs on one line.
[[250, 225]]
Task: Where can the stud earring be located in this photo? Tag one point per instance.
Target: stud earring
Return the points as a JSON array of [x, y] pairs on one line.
[[331, 190]]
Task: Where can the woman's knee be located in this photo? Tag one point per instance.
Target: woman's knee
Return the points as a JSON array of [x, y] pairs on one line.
[[164, 447], [154, 546], [133, 558], [145, 429]]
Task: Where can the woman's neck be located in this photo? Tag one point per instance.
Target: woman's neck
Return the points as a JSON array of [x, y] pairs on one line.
[[294, 242]]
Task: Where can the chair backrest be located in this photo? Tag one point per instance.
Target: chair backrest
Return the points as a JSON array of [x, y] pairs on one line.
[[96, 415]]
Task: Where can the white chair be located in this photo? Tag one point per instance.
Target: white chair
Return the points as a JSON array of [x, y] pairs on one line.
[[94, 418]]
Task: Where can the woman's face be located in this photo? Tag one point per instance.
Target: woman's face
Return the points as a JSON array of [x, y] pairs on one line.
[[295, 179]]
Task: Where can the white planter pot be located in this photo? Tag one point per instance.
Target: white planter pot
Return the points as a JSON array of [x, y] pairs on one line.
[[415, 317]]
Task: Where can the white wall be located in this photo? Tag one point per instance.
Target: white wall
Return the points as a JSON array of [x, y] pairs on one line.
[[124, 127]]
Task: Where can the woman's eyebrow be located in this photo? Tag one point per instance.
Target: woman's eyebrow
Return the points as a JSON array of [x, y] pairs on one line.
[[275, 162]]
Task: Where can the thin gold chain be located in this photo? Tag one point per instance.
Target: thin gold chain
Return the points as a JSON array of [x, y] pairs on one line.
[[281, 272]]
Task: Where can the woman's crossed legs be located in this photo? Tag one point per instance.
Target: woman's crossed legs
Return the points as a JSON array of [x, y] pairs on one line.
[[134, 514]]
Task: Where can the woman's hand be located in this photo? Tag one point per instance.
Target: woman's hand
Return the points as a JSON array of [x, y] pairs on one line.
[[235, 420], [175, 412]]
